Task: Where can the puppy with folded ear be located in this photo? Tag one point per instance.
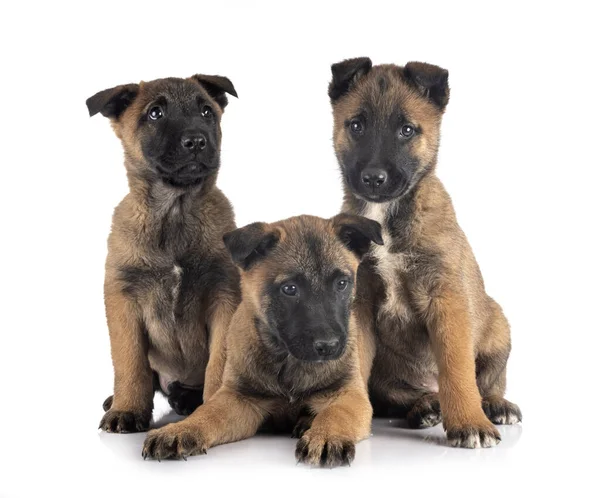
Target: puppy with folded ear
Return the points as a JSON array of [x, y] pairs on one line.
[[295, 350], [170, 287], [442, 342]]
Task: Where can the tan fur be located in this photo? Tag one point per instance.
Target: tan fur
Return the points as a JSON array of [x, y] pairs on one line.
[[334, 420], [133, 376], [433, 318], [170, 286]]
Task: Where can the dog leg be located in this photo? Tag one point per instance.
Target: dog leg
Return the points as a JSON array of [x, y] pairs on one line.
[[364, 321], [491, 371], [225, 418], [109, 401], [500, 411], [331, 439], [131, 407], [452, 340], [219, 318], [491, 378]]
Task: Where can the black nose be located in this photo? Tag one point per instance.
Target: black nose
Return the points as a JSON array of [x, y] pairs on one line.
[[327, 348], [373, 177], [193, 142]]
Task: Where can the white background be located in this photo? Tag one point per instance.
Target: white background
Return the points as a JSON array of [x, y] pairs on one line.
[[519, 156]]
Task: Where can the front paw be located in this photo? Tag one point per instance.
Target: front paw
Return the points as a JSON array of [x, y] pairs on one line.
[[426, 412], [324, 451], [501, 411], [123, 422], [174, 441], [479, 435]]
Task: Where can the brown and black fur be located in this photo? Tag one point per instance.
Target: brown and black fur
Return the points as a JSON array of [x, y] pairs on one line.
[[442, 342], [170, 287], [273, 374]]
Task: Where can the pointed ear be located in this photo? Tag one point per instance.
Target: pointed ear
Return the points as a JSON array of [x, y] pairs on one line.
[[251, 243], [357, 232], [430, 80], [112, 102], [345, 74], [216, 86]]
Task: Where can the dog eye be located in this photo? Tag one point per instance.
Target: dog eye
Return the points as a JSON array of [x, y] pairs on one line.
[[289, 289], [155, 113], [206, 112], [407, 131], [341, 285], [356, 126]]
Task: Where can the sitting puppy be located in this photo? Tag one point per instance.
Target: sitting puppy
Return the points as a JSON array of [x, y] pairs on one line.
[[170, 287], [436, 327], [295, 350]]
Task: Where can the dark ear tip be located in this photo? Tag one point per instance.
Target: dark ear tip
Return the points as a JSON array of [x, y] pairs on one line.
[[431, 70], [88, 104], [230, 89], [364, 62]]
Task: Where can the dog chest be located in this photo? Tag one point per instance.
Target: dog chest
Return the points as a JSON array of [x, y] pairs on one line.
[[157, 289], [171, 300], [391, 267], [173, 292]]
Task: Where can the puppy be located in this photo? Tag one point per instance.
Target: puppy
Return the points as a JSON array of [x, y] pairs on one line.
[[295, 349], [442, 342], [170, 287]]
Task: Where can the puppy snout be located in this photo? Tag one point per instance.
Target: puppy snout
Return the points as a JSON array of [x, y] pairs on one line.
[[193, 141], [374, 177], [326, 348]]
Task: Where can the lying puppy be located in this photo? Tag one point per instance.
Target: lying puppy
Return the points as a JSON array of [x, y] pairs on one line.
[[435, 324], [170, 288], [295, 350]]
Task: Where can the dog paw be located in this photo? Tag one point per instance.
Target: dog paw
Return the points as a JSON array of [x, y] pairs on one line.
[[425, 413], [173, 441], [302, 425], [501, 411], [107, 403], [325, 451], [123, 422], [184, 400], [483, 435]]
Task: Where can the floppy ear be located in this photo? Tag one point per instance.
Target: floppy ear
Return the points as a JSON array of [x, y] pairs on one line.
[[430, 80], [357, 232], [216, 86], [250, 243], [112, 102], [345, 74]]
